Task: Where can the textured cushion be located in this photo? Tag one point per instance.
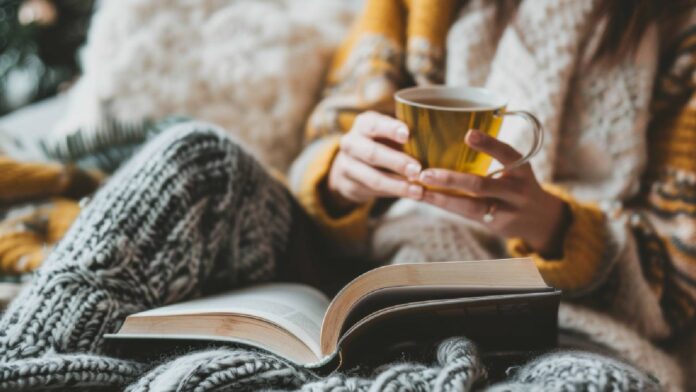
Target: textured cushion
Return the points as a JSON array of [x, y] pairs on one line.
[[252, 66]]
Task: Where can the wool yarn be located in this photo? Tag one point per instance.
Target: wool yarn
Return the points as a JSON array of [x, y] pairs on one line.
[[191, 212], [27, 233], [61, 372], [152, 235], [578, 371], [456, 368]]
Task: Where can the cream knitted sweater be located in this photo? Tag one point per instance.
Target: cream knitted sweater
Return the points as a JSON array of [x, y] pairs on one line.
[[595, 123], [595, 118]]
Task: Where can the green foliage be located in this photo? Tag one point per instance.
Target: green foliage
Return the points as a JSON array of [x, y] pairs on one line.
[[35, 59]]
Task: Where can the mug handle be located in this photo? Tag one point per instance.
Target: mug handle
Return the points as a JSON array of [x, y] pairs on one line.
[[538, 140]]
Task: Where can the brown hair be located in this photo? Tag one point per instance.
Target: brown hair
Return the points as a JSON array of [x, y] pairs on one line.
[[626, 21]]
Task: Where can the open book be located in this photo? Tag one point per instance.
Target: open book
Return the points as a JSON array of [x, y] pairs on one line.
[[497, 303]]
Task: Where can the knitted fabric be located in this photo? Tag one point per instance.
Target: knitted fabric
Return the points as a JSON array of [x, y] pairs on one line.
[[189, 214], [366, 70], [190, 208], [29, 230], [456, 368], [61, 372], [595, 115], [38, 202], [27, 233], [577, 371], [21, 181]]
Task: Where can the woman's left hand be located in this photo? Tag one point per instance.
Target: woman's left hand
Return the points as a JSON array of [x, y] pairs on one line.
[[517, 204]]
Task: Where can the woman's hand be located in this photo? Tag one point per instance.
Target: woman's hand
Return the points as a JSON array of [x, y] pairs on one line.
[[370, 163], [515, 201]]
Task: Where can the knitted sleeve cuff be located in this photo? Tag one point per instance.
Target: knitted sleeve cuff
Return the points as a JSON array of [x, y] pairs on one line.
[[307, 174], [584, 247]]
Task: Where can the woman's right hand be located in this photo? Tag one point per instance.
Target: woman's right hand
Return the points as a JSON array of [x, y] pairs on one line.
[[370, 163]]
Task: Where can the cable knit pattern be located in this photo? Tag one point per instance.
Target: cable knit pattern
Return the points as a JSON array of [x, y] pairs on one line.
[[61, 372], [595, 118], [439, 236], [533, 67], [578, 371], [191, 212], [457, 368], [600, 127], [604, 136], [191, 207], [470, 64]]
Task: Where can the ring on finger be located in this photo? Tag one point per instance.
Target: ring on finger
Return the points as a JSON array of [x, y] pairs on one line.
[[489, 216]]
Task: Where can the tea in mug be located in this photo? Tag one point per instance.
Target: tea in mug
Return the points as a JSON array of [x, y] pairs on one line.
[[439, 118], [439, 125]]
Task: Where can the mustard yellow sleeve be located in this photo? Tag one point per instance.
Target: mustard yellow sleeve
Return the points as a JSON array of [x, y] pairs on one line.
[[307, 175], [367, 69], [637, 261], [20, 181], [584, 247]]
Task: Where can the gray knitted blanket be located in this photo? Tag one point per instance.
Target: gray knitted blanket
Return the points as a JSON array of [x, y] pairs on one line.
[[189, 214]]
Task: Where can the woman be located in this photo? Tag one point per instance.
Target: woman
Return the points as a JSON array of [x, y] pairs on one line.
[[193, 213], [606, 210]]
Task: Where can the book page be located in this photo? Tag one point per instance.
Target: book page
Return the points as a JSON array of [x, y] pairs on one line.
[[439, 279], [297, 308]]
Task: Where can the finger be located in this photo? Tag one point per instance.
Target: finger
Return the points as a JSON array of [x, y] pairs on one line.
[[509, 189], [339, 183], [374, 125], [378, 155], [355, 191], [500, 151], [382, 184], [469, 207]]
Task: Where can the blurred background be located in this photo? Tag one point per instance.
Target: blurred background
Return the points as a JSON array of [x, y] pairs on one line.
[[84, 83], [39, 40]]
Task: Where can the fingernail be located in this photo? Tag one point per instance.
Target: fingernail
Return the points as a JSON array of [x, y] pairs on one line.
[[402, 134], [412, 170], [475, 136], [427, 176], [415, 191]]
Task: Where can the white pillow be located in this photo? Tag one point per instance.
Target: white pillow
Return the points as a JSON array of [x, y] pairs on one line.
[[254, 67]]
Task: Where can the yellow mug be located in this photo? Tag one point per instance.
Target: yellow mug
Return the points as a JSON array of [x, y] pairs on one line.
[[439, 117]]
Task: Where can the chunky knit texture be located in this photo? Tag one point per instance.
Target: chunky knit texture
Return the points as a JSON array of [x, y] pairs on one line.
[[190, 208], [577, 371], [189, 214], [62, 372], [456, 368], [140, 245], [627, 250], [28, 232], [38, 202]]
